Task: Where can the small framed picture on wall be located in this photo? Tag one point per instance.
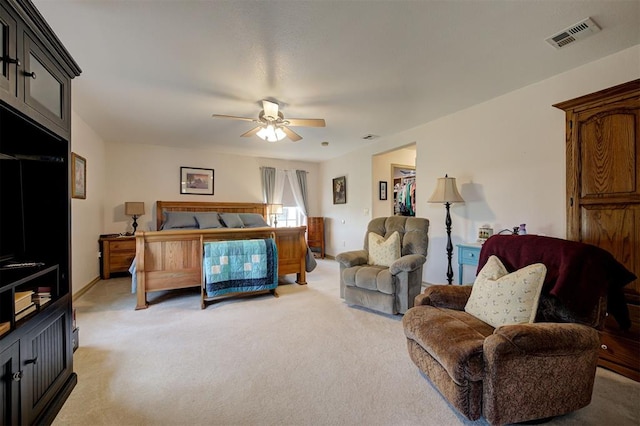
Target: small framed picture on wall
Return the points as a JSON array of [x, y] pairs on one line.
[[79, 175], [383, 190], [340, 190]]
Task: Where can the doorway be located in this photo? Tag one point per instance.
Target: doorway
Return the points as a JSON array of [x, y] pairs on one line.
[[404, 190], [383, 175]]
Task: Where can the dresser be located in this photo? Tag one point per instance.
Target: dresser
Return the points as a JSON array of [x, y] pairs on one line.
[[116, 255], [315, 234], [468, 254]]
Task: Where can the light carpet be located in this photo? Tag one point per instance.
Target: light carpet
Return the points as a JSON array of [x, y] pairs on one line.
[[305, 358]]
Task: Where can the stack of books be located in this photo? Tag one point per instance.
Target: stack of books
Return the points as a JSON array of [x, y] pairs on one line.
[[42, 296], [23, 304], [4, 327]]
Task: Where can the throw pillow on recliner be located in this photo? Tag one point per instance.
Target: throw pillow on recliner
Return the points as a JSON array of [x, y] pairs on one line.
[[384, 252], [500, 298]]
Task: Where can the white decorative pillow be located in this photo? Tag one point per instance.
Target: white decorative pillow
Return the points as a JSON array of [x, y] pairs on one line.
[[500, 298], [383, 252]]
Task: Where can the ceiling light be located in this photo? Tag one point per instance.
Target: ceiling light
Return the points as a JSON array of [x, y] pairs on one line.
[[270, 133]]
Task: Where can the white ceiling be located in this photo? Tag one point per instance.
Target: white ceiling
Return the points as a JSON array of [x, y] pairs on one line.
[[155, 71]]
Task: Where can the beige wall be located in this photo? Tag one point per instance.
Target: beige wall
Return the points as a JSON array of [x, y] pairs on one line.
[[87, 215], [507, 155]]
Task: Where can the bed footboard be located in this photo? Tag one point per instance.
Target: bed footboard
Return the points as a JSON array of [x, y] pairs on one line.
[[172, 259]]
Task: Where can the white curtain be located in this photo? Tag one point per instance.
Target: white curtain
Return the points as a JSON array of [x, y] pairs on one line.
[[279, 186]]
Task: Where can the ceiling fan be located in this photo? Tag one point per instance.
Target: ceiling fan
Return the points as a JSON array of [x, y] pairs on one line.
[[272, 126]]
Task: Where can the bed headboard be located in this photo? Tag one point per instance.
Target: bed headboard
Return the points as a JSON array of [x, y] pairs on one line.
[[201, 206]]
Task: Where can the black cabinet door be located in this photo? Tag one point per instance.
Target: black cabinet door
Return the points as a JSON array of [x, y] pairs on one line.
[[46, 89], [46, 358], [8, 51], [10, 376]]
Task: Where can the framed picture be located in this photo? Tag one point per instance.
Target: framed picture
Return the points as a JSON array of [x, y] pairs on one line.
[[194, 180], [383, 190], [79, 175], [340, 190]]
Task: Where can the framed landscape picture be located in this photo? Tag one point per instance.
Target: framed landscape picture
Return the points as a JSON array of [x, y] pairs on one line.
[[79, 175], [340, 190], [194, 180]]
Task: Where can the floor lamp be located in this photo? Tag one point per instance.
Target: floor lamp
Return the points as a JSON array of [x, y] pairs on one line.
[[446, 192]]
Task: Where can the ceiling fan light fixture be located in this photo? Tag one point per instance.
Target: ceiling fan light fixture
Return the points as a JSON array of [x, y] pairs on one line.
[[270, 133]]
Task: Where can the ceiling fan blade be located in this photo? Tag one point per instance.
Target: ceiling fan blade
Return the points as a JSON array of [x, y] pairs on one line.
[[291, 134], [306, 122], [270, 109], [233, 117], [251, 132]]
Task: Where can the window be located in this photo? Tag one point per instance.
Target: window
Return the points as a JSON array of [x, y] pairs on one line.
[[291, 216]]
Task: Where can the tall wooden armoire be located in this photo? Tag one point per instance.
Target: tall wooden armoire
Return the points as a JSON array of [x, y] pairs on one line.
[[603, 199]]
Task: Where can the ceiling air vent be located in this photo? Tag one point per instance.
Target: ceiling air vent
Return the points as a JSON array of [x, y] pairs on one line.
[[369, 137], [582, 29]]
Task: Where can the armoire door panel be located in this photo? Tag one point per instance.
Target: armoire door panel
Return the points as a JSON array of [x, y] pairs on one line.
[[609, 146], [615, 228]]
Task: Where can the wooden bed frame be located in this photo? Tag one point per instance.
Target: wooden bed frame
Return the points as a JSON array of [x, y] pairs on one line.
[[172, 259]]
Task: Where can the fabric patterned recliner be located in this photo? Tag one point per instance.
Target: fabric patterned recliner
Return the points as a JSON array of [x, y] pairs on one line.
[[527, 371], [390, 289]]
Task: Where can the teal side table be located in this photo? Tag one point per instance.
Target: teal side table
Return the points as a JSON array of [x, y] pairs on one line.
[[468, 254]]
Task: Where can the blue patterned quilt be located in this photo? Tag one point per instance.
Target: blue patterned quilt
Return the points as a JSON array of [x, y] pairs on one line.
[[240, 266]]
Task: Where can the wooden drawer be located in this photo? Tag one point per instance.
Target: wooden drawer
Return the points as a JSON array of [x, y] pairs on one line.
[[124, 245], [468, 255], [121, 262], [620, 349]]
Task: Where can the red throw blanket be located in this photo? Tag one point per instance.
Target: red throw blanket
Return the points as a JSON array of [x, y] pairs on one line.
[[577, 273]]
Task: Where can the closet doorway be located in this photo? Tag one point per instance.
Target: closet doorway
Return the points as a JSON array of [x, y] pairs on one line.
[[385, 166], [404, 190]]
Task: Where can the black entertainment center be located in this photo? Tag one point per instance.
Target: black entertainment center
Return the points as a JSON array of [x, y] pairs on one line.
[[36, 353]]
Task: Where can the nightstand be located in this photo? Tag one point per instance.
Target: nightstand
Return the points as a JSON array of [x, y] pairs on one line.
[[468, 254], [116, 255], [315, 234]]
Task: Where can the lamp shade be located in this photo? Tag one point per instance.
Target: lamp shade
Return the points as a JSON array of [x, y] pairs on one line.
[[134, 208], [446, 191], [275, 208]]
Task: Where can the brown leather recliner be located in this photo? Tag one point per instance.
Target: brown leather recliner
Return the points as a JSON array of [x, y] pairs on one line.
[[523, 372]]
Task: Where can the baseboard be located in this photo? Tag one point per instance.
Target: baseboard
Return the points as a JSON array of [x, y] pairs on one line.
[[85, 289]]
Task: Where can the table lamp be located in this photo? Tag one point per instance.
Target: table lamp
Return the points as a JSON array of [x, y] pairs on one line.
[[134, 209], [275, 210]]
